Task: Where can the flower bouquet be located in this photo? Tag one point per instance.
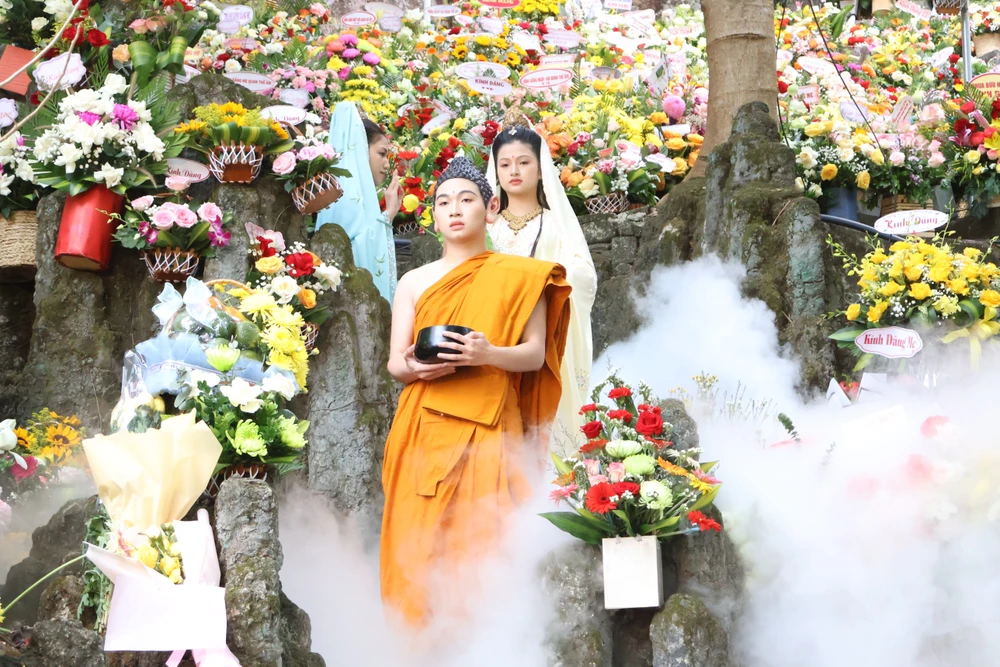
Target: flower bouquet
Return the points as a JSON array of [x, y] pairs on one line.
[[162, 31], [172, 236], [631, 482], [235, 140], [309, 172], [31, 456], [985, 24], [924, 285], [292, 276]]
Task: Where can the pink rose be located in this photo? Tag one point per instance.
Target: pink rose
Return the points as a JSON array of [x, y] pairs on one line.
[[593, 467], [936, 160], [139, 26], [164, 218], [309, 153], [616, 472], [596, 479], [317, 9], [142, 203], [177, 183], [186, 218], [897, 158], [326, 150], [209, 212], [674, 106], [284, 163]]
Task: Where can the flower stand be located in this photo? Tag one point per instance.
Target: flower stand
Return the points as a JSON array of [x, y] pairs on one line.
[[633, 572], [235, 163], [616, 202], [316, 194], [84, 241], [949, 7], [171, 265], [17, 246]]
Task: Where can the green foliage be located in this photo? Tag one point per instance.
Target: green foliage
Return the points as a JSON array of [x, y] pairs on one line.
[[97, 587]]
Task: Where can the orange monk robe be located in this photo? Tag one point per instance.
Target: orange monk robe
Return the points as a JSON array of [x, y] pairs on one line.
[[462, 448]]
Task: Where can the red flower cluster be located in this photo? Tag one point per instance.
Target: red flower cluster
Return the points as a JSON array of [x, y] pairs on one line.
[[603, 498], [650, 422], [265, 247], [491, 129], [623, 415], [447, 153], [703, 522], [300, 264]]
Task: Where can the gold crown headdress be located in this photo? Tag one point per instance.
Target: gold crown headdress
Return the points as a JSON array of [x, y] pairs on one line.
[[515, 118]]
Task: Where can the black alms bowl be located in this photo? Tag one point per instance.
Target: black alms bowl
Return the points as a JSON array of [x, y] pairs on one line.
[[429, 341]]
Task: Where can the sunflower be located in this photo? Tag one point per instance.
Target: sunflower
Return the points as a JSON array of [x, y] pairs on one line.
[[62, 435], [25, 439]]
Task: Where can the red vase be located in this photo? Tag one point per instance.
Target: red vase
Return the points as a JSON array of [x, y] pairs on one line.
[[85, 232]]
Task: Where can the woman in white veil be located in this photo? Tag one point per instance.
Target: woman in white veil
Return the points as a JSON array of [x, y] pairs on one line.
[[537, 220]]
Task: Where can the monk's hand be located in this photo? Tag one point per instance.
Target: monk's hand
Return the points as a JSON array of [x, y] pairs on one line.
[[424, 371], [471, 349]]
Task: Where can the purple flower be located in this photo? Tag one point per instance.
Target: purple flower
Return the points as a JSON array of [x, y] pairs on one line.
[[371, 58], [218, 236], [88, 117], [349, 39], [125, 116], [149, 232], [20, 140], [344, 73], [351, 54]]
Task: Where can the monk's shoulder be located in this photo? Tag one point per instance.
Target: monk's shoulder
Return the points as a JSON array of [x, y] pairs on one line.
[[526, 265]]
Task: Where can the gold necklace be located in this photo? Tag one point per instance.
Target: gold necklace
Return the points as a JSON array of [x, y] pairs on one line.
[[519, 222]]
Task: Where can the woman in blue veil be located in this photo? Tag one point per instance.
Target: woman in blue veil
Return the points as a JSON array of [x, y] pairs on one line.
[[364, 148]]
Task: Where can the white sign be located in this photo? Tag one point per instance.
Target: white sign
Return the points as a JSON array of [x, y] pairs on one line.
[[189, 73], [391, 23], [891, 342], [676, 65], [443, 11], [490, 25], [490, 86], [227, 27], [558, 60], [850, 112], [941, 57], [682, 130], [294, 96], [195, 172], [284, 114], [245, 44], [784, 57], [647, 16], [258, 83], [566, 39], [472, 70], [683, 31], [620, 5], [436, 122], [238, 14], [357, 19], [911, 222], [817, 65], [48, 73], [902, 112], [810, 95], [8, 112], [464, 20], [913, 8], [545, 78], [526, 41], [385, 8]]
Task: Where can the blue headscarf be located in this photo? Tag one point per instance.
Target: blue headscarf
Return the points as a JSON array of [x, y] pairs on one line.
[[358, 211]]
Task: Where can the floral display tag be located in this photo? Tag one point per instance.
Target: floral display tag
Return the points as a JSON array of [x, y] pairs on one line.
[[195, 172], [890, 342]]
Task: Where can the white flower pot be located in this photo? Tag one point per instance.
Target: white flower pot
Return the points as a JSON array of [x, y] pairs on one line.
[[633, 573]]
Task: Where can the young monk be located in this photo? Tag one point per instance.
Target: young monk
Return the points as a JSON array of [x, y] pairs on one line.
[[469, 433]]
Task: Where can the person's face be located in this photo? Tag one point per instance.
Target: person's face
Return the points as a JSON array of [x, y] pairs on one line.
[[378, 158], [459, 211], [518, 169]]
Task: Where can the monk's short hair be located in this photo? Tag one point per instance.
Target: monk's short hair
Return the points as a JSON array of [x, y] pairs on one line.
[[462, 167]]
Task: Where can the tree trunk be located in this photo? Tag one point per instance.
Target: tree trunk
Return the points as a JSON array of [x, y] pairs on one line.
[[741, 65]]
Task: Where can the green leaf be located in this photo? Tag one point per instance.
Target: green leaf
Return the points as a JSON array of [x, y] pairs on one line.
[[651, 528], [562, 467], [863, 361], [165, 239], [847, 334], [706, 499], [575, 525], [705, 467], [624, 517]]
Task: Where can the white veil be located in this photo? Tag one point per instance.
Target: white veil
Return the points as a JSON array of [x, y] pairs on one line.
[[562, 241]]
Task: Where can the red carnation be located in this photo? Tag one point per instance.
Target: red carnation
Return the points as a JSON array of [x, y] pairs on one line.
[[97, 38], [703, 522], [299, 264], [598, 498], [650, 422], [20, 473], [622, 487], [265, 246], [619, 392], [593, 446], [968, 108], [623, 415], [589, 407], [782, 87], [954, 58], [592, 429]]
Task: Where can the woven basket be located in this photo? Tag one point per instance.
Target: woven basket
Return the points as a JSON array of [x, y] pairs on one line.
[[949, 7], [17, 246], [310, 333], [171, 265], [317, 193], [616, 202], [236, 163], [259, 471], [893, 203]]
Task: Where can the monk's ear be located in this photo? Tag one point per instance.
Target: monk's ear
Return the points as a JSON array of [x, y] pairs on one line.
[[492, 209]]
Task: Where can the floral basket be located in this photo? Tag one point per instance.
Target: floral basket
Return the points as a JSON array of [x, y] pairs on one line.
[[950, 7], [310, 332], [893, 203], [171, 265], [616, 202], [17, 246], [260, 471], [235, 163], [317, 193]]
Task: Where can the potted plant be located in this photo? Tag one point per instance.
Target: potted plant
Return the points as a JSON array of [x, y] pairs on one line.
[[629, 489], [235, 138], [173, 236], [292, 276], [309, 173], [100, 143], [18, 225]]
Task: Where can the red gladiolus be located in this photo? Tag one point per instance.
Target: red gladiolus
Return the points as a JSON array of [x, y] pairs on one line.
[[954, 58], [623, 415], [977, 138], [408, 155], [598, 498], [703, 522], [592, 429], [300, 264], [864, 84]]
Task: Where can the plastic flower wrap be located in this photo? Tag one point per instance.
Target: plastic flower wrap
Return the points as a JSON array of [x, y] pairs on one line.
[[629, 479]]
